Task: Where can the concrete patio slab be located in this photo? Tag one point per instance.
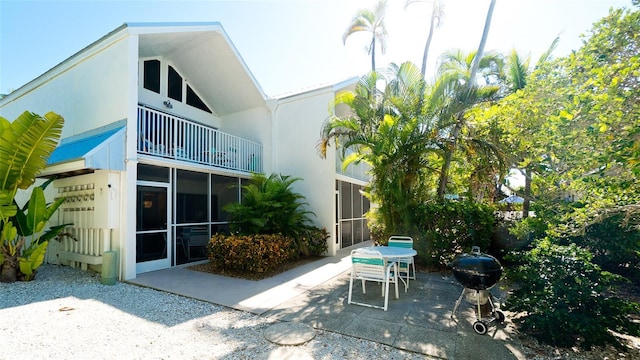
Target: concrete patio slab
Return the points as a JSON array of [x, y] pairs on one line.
[[289, 333], [316, 296]]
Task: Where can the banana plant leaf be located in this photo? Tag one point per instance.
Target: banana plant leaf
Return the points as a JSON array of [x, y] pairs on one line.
[[32, 258], [32, 218]]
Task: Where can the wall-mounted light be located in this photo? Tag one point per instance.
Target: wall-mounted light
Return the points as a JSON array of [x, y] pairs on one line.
[[167, 103]]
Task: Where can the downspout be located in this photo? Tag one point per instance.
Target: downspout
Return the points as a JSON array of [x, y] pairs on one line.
[[273, 105]]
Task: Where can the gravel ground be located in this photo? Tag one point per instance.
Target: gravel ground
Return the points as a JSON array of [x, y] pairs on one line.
[[68, 314]]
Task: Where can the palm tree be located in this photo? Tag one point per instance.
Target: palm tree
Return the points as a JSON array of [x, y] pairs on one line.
[[437, 12], [454, 79], [373, 22], [453, 96], [388, 129]]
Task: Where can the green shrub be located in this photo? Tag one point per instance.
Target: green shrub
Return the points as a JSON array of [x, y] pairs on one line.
[[613, 245], [447, 228], [252, 253], [558, 287], [312, 241], [269, 206]]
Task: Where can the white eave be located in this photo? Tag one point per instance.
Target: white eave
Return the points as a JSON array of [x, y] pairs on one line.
[[207, 58]]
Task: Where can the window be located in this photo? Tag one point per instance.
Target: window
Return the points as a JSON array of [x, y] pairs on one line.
[[352, 222], [153, 173], [191, 197], [174, 82], [177, 88], [194, 100], [152, 75], [223, 191]]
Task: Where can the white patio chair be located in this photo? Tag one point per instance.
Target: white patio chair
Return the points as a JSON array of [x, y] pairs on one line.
[[406, 266], [371, 266]]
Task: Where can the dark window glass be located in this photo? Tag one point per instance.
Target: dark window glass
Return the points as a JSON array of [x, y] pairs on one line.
[[347, 201], [152, 208], [152, 75], [347, 233], [153, 173], [191, 243], [224, 190], [152, 246], [174, 82], [357, 201], [191, 197], [194, 100]]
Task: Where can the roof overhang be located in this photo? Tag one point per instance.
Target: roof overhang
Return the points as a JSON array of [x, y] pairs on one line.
[[208, 60], [102, 148]]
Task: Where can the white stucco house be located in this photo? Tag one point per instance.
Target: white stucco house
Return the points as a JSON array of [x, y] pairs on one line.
[[160, 121]]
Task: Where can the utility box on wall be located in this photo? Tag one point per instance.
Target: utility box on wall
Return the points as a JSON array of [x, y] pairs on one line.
[[107, 203]]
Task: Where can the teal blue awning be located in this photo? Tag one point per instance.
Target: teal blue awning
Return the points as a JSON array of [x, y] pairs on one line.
[[97, 149]]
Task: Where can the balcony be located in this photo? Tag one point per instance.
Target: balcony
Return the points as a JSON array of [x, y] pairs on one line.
[[172, 137]]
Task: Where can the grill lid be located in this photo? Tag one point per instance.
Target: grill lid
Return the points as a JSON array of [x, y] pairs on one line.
[[476, 270]]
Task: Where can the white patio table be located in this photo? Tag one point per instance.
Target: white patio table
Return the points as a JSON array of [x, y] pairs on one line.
[[392, 253]]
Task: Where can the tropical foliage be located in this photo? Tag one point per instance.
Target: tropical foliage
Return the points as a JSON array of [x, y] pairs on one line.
[[270, 227], [25, 146], [258, 253], [560, 288], [269, 206], [575, 124], [370, 21], [390, 129], [571, 125]]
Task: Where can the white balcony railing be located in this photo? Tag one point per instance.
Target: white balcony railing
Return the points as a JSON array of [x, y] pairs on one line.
[[164, 135]]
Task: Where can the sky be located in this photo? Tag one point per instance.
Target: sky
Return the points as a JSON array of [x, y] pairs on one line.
[[291, 45]]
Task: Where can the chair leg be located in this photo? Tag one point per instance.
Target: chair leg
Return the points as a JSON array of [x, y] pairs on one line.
[[350, 288], [364, 291], [413, 266], [396, 282], [406, 284], [386, 293]]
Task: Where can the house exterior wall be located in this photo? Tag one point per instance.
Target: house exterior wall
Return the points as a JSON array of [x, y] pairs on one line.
[[254, 125], [298, 120], [73, 90]]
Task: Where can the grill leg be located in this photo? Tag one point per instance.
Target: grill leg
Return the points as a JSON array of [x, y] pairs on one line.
[[455, 308], [479, 314]]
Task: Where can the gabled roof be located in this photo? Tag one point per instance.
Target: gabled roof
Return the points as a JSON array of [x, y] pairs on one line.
[[346, 84], [207, 59], [204, 53]]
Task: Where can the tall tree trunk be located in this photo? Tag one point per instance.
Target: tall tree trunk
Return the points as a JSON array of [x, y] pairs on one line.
[[444, 174], [527, 193], [448, 157], [373, 52], [483, 41], [428, 44]]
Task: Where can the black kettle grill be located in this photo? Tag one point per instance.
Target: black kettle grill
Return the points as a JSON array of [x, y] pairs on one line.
[[478, 272]]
